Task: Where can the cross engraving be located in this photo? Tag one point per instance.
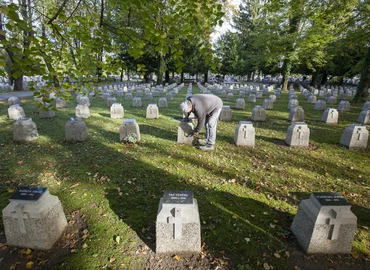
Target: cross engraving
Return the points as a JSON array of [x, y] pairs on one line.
[[177, 224], [20, 216], [245, 131], [332, 114], [359, 134], [335, 225], [299, 130]]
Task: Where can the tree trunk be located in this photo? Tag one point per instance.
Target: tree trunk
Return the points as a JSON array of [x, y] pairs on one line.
[[159, 69], [364, 84], [286, 74], [128, 74], [121, 73], [182, 77], [324, 78], [167, 76], [18, 83], [314, 78], [205, 77]]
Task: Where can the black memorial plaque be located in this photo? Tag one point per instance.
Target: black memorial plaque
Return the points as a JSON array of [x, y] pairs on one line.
[[28, 193], [331, 198], [178, 196]]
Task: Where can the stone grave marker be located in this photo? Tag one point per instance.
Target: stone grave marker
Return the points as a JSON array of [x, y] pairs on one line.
[[325, 224], [169, 96], [128, 96], [298, 135], [230, 97], [252, 98], [16, 111], [13, 101], [268, 104], [185, 128], [128, 127], [60, 103], [355, 137], [33, 218], [178, 223], [82, 111], [293, 103], [312, 99], [136, 102], [116, 111], [258, 114], [162, 102], [344, 106], [320, 105], [245, 134], [24, 130], [240, 103], [152, 111], [364, 117], [83, 100], [111, 101], [330, 116], [226, 113], [76, 130], [296, 114], [366, 106]]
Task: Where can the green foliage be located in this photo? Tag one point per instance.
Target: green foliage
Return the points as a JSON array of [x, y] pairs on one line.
[[130, 138]]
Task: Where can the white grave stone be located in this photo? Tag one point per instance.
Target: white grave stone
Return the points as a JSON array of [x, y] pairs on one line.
[[355, 137], [230, 97], [344, 106], [152, 111], [178, 223], [136, 102], [258, 114], [82, 111], [83, 100], [128, 96], [162, 103], [185, 128], [330, 116], [366, 106], [298, 135], [293, 103], [13, 101], [252, 98], [24, 129], [16, 111], [240, 103], [33, 218], [116, 111], [364, 117], [60, 103], [268, 104], [320, 105], [76, 130], [325, 224], [245, 134], [111, 101], [226, 113], [128, 127], [296, 114]]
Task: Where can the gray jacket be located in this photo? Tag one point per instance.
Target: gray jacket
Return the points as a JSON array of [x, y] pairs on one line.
[[204, 105]]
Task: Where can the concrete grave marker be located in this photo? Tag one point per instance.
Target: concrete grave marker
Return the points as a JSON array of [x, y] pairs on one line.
[[128, 127], [152, 111], [136, 102], [16, 111], [111, 101], [226, 113], [76, 130], [252, 98], [178, 223], [162, 102], [116, 111], [268, 104], [296, 114], [320, 105], [60, 103], [13, 101], [325, 224], [240, 103], [355, 137], [298, 135], [344, 106], [245, 134], [330, 116], [258, 114], [364, 117], [24, 129], [185, 128], [33, 218], [82, 111]]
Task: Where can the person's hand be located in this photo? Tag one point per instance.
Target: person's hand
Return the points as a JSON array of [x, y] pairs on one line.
[[192, 133]]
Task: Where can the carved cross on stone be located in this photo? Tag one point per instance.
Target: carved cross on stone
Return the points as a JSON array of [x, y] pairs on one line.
[[299, 130], [245, 131], [359, 134], [177, 222], [335, 225]]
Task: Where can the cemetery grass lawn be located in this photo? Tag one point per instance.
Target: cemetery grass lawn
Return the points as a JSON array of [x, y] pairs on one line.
[[247, 197]]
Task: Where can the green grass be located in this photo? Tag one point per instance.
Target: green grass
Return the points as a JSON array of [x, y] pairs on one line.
[[247, 197]]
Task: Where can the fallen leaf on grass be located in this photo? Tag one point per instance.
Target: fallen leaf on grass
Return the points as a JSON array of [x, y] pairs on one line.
[[354, 255], [272, 226], [28, 251], [177, 257], [29, 265], [118, 239], [75, 185], [112, 260], [287, 254], [277, 255], [84, 245], [266, 266], [297, 268], [10, 190]]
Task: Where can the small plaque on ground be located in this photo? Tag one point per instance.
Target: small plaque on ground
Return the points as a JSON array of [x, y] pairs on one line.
[[178, 196], [330, 198], [28, 193]]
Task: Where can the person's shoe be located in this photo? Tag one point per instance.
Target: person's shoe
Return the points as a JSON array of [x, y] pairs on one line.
[[207, 147], [202, 141]]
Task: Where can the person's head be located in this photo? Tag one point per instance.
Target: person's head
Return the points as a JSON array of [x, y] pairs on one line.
[[186, 106]]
